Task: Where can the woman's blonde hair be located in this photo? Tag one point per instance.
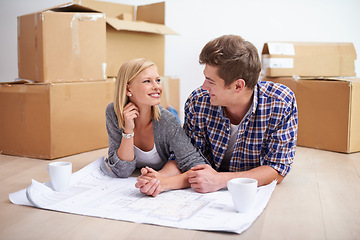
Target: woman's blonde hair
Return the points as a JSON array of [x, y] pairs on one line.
[[128, 71]]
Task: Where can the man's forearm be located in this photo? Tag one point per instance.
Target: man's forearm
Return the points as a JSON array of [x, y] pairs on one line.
[[263, 174]]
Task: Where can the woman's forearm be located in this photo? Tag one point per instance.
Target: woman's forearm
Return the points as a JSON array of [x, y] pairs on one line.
[[152, 182], [172, 178], [126, 149], [175, 182], [170, 169]]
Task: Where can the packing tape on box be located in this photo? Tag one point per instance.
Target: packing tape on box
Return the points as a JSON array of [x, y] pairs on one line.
[[104, 70], [87, 17], [37, 44], [75, 28], [77, 18], [75, 34]]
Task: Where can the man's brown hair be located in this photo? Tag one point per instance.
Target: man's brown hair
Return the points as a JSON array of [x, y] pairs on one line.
[[235, 59]]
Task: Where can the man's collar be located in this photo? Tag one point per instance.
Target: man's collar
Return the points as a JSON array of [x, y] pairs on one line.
[[255, 99]]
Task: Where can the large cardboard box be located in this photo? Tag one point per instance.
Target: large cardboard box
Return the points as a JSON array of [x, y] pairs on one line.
[[133, 32], [170, 96], [66, 43], [281, 59], [49, 121], [329, 112]]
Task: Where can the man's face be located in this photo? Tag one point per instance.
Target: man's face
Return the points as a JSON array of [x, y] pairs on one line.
[[219, 93]]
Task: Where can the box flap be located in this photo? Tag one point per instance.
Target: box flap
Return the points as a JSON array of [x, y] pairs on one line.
[[70, 7], [66, 7], [343, 79], [18, 81], [153, 13], [110, 9], [310, 48], [354, 130], [138, 26], [279, 48], [149, 18]]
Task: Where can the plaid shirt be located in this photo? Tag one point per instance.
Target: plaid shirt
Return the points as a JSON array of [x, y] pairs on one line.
[[267, 134]]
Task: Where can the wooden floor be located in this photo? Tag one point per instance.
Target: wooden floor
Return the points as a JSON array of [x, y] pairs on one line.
[[319, 199]]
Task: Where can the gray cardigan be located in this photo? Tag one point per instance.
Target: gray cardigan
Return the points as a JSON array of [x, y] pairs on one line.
[[170, 140]]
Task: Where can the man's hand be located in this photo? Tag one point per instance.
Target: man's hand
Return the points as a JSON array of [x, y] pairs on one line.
[[203, 178], [149, 182]]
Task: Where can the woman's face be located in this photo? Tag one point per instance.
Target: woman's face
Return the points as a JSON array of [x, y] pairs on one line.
[[145, 88]]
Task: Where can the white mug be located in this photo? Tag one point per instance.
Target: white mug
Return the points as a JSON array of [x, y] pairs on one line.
[[60, 175], [243, 192]]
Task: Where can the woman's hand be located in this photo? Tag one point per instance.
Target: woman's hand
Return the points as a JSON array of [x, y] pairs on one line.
[[130, 113], [149, 182]]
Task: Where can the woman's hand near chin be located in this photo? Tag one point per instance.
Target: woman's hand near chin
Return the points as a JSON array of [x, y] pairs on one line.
[[130, 113]]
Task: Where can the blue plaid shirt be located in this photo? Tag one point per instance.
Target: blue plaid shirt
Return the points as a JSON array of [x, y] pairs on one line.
[[267, 134]]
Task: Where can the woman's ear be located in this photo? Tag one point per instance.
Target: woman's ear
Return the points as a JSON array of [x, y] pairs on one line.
[[128, 92]]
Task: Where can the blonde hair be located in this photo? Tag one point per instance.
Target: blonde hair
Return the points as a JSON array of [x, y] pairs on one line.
[[127, 72]]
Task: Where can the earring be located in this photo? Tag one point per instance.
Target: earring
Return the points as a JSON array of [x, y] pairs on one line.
[[129, 94]]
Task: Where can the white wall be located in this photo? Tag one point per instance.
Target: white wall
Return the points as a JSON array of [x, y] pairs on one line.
[[198, 21]]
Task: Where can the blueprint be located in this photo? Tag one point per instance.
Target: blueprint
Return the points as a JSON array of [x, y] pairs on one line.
[[93, 193]]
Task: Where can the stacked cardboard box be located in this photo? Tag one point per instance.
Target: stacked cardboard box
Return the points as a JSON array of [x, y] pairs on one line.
[[133, 32], [69, 51], [137, 32], [322, 77], [63, 51], [66, 43], [170, 95], [53, 120]]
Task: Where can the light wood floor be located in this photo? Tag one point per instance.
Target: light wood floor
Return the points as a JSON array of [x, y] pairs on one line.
[[319, 199]]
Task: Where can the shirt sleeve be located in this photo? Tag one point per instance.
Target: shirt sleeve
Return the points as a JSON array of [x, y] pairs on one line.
[[281, 146], [191, 127], [119, 167]]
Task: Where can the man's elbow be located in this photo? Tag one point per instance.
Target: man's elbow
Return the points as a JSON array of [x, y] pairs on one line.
[[279, 178]]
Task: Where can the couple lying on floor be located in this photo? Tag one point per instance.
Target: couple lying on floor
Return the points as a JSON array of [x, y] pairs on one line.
[[234, 126]]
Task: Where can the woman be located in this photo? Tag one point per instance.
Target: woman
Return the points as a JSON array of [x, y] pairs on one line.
[[144, 135]]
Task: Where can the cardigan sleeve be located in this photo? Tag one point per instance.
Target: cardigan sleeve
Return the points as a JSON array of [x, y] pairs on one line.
[[173, 141], [119, 167]]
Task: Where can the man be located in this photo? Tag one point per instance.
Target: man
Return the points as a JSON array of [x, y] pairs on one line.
[[245, 128]]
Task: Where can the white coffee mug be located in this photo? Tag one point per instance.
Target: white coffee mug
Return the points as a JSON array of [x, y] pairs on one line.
[[243, 192], [60, 175]]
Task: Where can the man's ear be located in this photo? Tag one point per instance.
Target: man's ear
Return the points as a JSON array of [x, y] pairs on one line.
[[239, 85]]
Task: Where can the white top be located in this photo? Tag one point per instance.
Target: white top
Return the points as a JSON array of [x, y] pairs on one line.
[[150, 158], [230, 149]]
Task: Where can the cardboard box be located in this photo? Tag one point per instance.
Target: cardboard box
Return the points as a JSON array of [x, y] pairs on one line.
[[66, 43], [281, 59], [144, 37], [171, 94], [329, 112], [49, 121]]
